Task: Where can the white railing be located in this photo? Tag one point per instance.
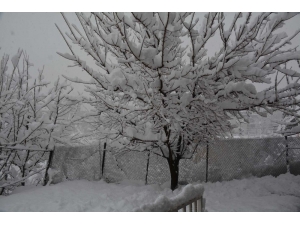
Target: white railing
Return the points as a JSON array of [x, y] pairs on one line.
[[194, 205], [190, 197]]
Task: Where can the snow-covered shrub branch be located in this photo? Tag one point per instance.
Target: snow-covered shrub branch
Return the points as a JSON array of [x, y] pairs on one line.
[[33, 118]]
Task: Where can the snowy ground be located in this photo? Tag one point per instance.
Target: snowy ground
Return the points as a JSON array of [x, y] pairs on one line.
[[255, 194]]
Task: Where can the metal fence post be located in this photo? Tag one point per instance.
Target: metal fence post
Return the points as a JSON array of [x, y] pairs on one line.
[[147, 168], [100, 160], [103, 159], [49, 164], [206, 175], [2, 189], [287, 154]]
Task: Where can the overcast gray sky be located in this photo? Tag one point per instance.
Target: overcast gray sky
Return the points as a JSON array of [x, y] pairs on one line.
[[37, 35]]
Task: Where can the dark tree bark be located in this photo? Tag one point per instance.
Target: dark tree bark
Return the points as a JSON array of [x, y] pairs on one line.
[[24, 167], [173, 162], [46, 178], [174, 171]]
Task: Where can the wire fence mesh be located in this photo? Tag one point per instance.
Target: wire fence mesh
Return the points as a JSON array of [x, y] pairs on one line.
[[242, 158], [75, 163], [218, 161], [294, 154]]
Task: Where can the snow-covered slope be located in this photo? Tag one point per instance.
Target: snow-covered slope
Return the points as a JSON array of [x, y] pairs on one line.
[[255, 194]]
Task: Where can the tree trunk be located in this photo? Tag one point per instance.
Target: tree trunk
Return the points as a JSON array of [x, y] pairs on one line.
[[24, 167], [174, 171]]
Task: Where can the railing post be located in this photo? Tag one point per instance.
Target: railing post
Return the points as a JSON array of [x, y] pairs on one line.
[[195, 206], [190, 207], [202, 204], [199, 205]]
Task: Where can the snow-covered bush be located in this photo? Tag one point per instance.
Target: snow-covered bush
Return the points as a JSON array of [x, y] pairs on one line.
[[153, 92], [33, 118]]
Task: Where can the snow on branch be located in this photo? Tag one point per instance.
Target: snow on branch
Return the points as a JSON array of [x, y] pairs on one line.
[[153, 86], [30, 119]]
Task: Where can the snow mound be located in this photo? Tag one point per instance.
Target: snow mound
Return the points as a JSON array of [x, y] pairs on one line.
[[164, 204], [266, 194], [83, 195]]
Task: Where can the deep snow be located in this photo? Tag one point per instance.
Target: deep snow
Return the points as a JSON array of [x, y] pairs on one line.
[[254, 194]]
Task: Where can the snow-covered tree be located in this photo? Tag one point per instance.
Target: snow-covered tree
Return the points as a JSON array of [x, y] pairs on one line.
[[32, 120], [155, 88]]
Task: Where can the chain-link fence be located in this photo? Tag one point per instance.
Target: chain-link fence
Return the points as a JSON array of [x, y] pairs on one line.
[[294, 154], [241, 158], [217, 161], [75, 163]]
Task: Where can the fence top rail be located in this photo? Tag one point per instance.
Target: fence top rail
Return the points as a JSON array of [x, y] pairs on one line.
[[12, 148], [251, 138]]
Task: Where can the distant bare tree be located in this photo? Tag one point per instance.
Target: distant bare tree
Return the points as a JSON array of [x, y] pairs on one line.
[[32, 120]]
